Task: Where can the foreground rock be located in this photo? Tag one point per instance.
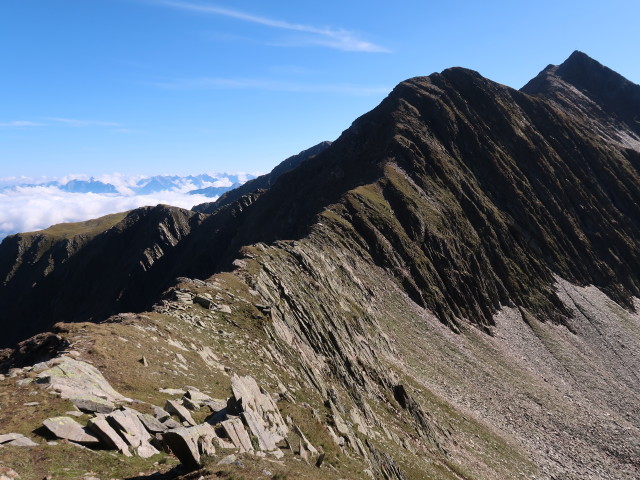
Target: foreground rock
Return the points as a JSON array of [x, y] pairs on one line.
[[100, 426], [189, 444], [259, 412], [131, 429], [81, 383], [16, 440], [67, 428]]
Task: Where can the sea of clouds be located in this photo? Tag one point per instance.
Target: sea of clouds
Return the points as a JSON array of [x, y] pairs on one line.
[[27, 205]]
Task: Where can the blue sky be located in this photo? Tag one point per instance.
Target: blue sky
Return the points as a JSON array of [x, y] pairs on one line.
[[191, 86]]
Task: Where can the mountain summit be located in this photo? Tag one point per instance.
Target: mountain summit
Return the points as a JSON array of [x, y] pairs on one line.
[[448, 290]]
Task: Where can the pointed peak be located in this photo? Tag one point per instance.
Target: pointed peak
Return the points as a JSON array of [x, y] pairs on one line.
[[579, 57], [579, 63]]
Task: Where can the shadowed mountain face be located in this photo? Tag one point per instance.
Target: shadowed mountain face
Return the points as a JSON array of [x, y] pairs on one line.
[[471, 194], [77, 274]]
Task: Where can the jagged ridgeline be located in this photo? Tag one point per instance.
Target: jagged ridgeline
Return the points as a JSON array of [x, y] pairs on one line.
[[448, 290], [471, 194]]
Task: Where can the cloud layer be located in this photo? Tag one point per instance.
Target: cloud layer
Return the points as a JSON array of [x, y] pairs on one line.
[[25, 207]]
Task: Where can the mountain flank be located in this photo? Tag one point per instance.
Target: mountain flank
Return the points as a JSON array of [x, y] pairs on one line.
[[263, 181], [449, 291]]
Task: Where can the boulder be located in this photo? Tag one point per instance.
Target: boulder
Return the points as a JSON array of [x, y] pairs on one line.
[[183, 414], [68, 429], [259, 412], [204, 300], [216, 405], [160, 413], [190, 404], [152, 424], [81, 383], [22, 442], [237, 434], [172, 391], [131, 429], [109, 437], [171, 424], [7, 437], [189, 443], [93, 404], [198, 397], [16, 440], [266, 440]]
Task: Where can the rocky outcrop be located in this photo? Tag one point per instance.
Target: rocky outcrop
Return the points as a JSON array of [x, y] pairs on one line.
[[68, 429], [252, 414], [189, 444], [81, 383]]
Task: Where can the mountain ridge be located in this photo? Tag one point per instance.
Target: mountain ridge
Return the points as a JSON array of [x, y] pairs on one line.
[[430, 117], [449, 290]]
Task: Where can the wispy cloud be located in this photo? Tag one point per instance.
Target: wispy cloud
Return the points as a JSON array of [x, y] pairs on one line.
[[211, 83], [71, 122], [336, 38], [20, 123], [83, 123]]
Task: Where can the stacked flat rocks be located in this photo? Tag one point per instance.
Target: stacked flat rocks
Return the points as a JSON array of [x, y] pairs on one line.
[[247, 422]]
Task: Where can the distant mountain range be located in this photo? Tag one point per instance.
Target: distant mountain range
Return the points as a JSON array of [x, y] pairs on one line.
[[209, 185]]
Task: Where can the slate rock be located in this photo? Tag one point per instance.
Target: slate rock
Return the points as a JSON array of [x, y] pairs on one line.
[[131, 429], [190, 443], [152, 424], [259, 412], [198, 397], [93, 404], [160, 413], [7, 437], [228, 460], [204, 300], [68, 429], [171, 424], [266, 440], [81, 383], [183, 414], [106, 433], [237, 434], [22, 442]]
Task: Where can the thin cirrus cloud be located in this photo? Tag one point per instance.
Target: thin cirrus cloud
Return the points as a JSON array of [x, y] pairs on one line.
[[210, 83], [339, 39], [69, 122], [74, 122], [20, 123]]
